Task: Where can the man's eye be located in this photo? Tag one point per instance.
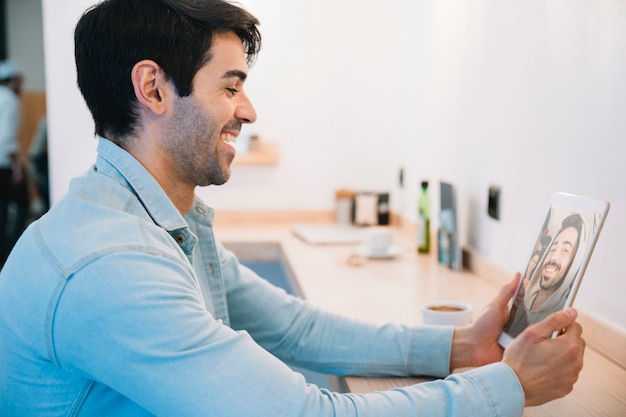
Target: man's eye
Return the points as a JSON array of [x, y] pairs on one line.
[[232, 91]]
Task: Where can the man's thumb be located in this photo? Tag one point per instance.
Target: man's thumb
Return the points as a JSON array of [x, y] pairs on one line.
[[555, 322]]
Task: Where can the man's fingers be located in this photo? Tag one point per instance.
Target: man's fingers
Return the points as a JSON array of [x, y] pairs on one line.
[[555, 322]]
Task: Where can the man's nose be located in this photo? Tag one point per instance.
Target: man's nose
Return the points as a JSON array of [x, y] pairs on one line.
[[245, 111]]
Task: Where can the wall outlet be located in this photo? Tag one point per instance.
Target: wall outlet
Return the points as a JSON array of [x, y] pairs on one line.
[[493, 205]]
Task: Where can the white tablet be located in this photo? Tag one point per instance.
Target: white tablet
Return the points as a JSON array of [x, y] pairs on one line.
[[557, 261]]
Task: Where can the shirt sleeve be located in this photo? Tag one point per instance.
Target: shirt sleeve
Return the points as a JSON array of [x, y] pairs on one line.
[[304, 335], [142, 329], [491, 390]]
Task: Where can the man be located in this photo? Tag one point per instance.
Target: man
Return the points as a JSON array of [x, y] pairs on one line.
[[13, 186], [545, 293], [120, 301], [38, 169], [556, 267]]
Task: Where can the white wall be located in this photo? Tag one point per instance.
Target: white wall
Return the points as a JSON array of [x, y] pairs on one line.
[[529, 95], [316, 90], [71, 142]]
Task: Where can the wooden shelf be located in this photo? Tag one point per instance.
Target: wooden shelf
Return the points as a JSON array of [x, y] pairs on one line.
[[261, 153]]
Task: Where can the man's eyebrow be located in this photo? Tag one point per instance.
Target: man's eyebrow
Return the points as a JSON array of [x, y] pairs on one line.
[[235, 73], [565, 242]]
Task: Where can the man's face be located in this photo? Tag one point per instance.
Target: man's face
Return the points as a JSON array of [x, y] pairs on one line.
[[199, 134], [558, 259]]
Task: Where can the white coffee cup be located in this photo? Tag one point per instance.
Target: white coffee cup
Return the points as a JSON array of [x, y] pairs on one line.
[[450, 313], [378, 239]]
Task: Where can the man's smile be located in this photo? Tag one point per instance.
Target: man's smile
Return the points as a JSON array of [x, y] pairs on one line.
[[551, 268], [228, 138]]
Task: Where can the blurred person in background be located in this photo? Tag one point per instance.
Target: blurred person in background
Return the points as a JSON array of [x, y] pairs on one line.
[[38, 158], [13, 181]]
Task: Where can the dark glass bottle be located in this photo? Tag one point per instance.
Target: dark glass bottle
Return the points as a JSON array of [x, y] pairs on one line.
[[423, 220]]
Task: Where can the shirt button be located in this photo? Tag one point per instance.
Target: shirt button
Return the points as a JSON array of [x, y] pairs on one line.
[[200, 210], [180, 238]]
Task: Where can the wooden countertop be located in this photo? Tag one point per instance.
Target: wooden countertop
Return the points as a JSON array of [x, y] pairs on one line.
[[393, 290]]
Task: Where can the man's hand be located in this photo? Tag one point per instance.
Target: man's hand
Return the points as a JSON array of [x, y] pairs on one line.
[[18, 169], [547, 368], [477, 343]]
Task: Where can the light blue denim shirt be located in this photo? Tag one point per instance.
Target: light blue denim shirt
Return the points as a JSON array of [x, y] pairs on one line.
[[113, 304]]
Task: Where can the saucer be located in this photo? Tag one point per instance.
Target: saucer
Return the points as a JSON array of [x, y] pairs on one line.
[[391, 252]]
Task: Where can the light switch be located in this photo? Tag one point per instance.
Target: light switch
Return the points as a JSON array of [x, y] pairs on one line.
[[493, 205]]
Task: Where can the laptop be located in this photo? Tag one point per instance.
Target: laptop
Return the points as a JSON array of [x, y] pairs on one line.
[[328, 234]]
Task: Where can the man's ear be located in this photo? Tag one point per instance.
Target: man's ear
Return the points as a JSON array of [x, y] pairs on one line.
[[151, 86]]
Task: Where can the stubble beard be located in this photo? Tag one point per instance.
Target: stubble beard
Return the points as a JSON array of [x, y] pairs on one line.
[[192, 145], [551, 287]]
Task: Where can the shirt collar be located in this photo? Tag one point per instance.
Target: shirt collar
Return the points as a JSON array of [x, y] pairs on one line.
[[116, 162]]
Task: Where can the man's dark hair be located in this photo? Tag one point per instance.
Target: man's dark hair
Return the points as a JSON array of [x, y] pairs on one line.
[[574, 220], [111, 37]]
